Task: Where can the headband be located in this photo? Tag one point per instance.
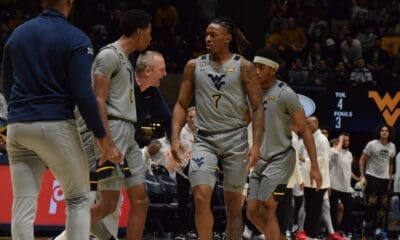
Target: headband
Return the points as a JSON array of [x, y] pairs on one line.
[[266, 61]]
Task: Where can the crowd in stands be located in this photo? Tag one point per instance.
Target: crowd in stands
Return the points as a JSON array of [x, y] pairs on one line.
[[340, 42]]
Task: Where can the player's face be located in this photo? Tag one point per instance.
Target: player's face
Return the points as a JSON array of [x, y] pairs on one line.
[[154, 149], [346, 142], [384, 133], [158, 71], [265, 74], [190, 119], [217, 38], [144, 37]]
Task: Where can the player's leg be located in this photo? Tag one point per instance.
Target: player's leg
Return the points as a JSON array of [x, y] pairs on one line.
[[63, 153], [234, 147], [275, 174], [26, 175], [202, 180], [58, 144], [136, 190]]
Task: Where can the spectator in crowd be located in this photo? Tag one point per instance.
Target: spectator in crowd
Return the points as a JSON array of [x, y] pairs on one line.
[[277, 39], [314, 56], [367, 38], [331, 53], [296, 38], [298, 74], [321, 73], [361, 76], [351, 49], [379, 62], [340, 77]]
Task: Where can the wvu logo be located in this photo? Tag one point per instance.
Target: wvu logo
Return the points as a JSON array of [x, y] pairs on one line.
[[198, 161], [217, 80], [387, 106]]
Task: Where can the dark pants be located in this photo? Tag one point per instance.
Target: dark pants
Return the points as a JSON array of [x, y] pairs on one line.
[[346, 224], [184, 215], [313, 207], [298, 202], [284, 211], [377, 200]]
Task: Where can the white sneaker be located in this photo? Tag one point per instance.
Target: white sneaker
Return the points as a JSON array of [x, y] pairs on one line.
[[247, 233], [61, 236], [259, 237], [295, 227]]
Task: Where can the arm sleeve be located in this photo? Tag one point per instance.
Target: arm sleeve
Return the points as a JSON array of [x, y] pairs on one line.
[[368, 149], [106, 62], [292, 101], [7, 80], [80, 85]]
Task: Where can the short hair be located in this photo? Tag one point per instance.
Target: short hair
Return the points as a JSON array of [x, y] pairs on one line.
[[346, 134], [133, 20], [269, 53], [154, 142], [189, 109], [146, 59], [333, 141]]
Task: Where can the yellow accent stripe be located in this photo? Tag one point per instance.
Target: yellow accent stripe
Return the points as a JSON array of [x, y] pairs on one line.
[[279, 193], [104, 168]]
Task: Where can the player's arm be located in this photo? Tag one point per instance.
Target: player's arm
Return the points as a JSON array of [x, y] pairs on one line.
[[101, 86], [253, 90], [363, 160], [179, 113], [300, 121], [390, 173]]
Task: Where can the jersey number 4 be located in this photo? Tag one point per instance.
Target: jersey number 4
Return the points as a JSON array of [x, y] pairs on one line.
[[216, 98]]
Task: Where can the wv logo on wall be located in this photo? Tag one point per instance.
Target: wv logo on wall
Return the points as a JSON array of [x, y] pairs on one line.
[[387, 105]]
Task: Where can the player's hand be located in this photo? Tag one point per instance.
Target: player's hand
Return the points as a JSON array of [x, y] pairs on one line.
[[315, 175], [177, 150], [363, 181], [109, 151], [252, 156]]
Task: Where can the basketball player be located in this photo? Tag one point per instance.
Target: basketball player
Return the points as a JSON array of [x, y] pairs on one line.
[[270, 176], [219, 82], [114, 88], [150, 69]]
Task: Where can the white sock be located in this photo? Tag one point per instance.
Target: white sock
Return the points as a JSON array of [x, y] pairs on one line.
[[326, 215], [61, 236]]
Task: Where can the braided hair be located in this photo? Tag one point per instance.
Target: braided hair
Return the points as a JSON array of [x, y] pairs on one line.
[[239, 42]]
